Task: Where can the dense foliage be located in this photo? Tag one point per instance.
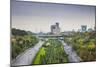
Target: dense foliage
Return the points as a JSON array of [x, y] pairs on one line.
[[20, 41], [18, 32], [84, 44], [51, 52]]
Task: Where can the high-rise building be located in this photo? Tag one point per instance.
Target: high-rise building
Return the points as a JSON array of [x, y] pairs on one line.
[[90, 29], [83, 28], [55, 29]]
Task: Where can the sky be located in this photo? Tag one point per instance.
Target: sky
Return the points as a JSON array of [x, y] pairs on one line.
[[38, 17]]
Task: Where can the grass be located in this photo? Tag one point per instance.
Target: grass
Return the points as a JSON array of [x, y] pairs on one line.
[[51, 52], [38, 56]]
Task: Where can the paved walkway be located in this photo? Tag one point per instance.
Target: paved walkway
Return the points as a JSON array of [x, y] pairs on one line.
[[72, 55], [26, 57]]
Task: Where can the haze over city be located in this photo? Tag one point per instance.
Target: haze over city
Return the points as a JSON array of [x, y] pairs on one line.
[[36, 17]]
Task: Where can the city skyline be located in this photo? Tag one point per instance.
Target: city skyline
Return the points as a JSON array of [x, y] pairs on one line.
[[38, 17]]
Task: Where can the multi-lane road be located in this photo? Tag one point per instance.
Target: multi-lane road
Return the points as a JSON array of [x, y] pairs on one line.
[[26, 57], [72, 55]]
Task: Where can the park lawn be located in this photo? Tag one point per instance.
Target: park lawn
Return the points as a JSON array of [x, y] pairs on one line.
[[38, 56]]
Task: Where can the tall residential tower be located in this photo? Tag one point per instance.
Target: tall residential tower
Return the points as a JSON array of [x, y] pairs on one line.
[[55, 29]]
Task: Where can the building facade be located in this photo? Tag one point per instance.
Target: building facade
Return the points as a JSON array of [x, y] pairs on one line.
[[83, 28], [55, 29]]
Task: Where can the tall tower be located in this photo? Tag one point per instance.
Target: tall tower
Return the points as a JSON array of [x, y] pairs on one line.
[[83, 28], [57, 24], [55, 29]]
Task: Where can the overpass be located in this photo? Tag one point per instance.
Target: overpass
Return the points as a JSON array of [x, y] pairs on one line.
[[50, 37]]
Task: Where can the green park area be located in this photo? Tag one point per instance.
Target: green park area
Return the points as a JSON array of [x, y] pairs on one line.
[[84, 44], [20, 41]]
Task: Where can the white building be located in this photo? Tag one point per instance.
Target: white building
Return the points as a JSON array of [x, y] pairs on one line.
[[55, 29]]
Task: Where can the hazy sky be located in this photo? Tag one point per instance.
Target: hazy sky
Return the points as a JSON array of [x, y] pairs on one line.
[[36, 17]]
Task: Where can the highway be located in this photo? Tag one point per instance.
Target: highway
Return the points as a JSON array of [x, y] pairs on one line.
[[26, 57], [72, 55]]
